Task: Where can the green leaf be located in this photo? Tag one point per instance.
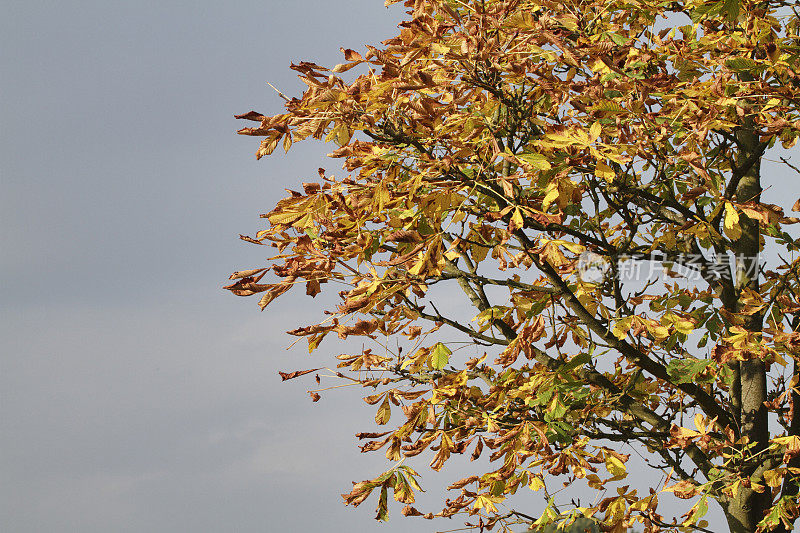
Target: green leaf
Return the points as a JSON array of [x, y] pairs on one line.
[[618, 39], [537, 161], [698, 510], [715, 8], [383, 505], [440, 356], [687, 370], [731, 10], [578, 360], [609, 106], [741, 64], [556, 409]]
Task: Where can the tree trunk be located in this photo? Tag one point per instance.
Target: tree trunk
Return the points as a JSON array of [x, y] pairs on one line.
[[749, 392]]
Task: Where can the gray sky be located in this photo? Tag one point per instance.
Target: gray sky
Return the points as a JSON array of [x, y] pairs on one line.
[[135, 395]]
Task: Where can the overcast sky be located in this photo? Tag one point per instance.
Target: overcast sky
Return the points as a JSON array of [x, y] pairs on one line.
[[135, 394]]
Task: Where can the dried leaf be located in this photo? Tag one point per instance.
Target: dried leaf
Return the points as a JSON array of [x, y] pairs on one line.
[[297, 373]]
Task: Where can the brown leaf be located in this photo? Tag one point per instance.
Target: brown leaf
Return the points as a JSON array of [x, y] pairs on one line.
[[251, 115], [772, 51], [402, 258], [296, 373], [351, 55], [247, 286], [246, 273], [477, 451], [310, 330], [312, 287], [311, 188], [404, 235], [691, 195], [722, 353], [410, 511], [250, 240], [463, 482], [684, 489], [359, 493], [372, 435]]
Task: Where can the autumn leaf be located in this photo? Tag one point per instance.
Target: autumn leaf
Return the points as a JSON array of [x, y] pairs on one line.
[[384, 412], [732, 228], [615, 465], [535, 160], [440, 356], [297, 373], [351, 55], [604, 172], [684, 489]]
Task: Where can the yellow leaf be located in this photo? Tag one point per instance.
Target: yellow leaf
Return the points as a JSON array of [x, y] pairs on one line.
[[267, 146], [568, 21], [343, 67], [343, 135], [594, 481], [452, 255], [700, 422], [603, 171], [439, 48], [305, 222], [595, 131], [683, 489], [537, 161], [516, 220], [658, 331], [601, 67], [479, 252], [791, 442], [536, 483], [487, 502], [384, 412], [478, 503], [551, 195], [615, 466], [417, 268], [284, 217], [556, 140], [641, 505], [732, 228], [382, 195], [621, 328], [773, 478], [682, 325]]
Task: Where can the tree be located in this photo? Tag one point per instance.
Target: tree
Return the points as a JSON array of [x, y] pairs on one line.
[[501, 148]]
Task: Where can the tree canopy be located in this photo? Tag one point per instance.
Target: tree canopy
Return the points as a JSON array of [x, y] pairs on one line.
[[526, 155]]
